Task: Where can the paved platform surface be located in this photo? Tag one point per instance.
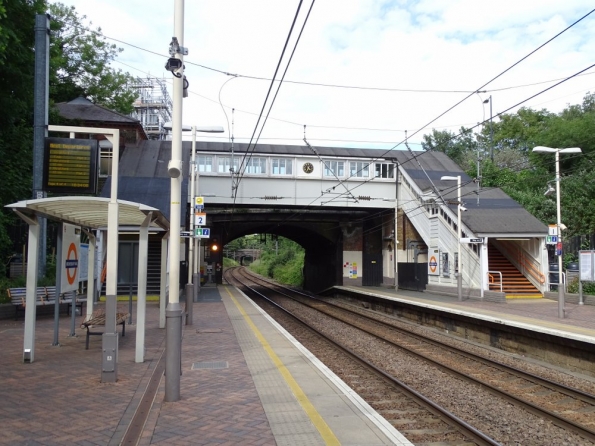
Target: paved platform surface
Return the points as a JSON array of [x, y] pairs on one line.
[[542, 314], [243, 382]]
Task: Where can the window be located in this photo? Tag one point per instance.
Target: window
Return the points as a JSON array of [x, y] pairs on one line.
[[205, 163], [281, 166], [105, 158], [334, 168], [256, 165], [359, 169], [224, 164], [385, 170]]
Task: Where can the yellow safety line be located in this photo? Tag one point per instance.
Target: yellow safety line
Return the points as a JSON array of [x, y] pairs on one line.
[[524, 296], [325, 431]]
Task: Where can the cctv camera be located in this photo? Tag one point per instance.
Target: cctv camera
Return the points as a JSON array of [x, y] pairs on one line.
[[173, 64], [463, 208], [563, 226]]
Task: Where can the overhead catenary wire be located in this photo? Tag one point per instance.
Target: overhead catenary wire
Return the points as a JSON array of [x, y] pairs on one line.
[[505, 71], [280, 82]]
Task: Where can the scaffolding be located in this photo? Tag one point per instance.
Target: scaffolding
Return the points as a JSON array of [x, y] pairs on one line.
[[153, 107]]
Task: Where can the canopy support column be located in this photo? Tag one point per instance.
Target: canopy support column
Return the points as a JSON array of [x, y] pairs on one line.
[[141, 295], [31, 293]]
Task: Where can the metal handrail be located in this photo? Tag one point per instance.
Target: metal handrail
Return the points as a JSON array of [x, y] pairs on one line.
[[491, 278], [527, 265]]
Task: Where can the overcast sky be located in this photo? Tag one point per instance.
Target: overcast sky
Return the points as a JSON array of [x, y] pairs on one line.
[[411, 61]]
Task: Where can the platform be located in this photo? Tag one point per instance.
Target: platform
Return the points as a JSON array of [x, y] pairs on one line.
[[244, 381], [539, 315]]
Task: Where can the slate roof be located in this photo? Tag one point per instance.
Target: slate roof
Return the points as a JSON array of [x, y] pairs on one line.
[[84, 110], [144, 179]]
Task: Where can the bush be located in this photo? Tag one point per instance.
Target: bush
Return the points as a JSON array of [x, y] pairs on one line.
[[21, 281], [588, 287], [228, 263]]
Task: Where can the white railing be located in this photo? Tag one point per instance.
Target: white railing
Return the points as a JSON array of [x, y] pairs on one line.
[[491, 278]]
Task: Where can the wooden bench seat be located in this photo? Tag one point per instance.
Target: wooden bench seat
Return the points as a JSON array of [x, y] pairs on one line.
[[18, 297], [67, 298], [98, 320]]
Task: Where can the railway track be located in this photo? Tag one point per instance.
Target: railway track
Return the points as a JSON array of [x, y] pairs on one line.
[[570, 409], [422, 419]]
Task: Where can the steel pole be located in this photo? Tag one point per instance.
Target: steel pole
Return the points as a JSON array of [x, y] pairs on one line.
[[190, 291], [196, 241], [173, 313], [491, 133], [459, 257], [561, 295]]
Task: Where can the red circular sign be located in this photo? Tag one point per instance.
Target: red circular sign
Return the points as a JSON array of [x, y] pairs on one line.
[[71, 264], [433, 264]]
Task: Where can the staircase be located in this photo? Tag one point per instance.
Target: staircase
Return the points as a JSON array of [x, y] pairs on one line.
[[514, 284]]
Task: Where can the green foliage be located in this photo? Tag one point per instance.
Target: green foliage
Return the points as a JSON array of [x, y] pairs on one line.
[[80, 63], [458, 147], [281, 260], [228, 263], [21, 281], [588, 287], [17, 23]]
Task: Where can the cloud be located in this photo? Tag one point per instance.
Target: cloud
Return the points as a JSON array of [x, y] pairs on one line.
[[408, 45]]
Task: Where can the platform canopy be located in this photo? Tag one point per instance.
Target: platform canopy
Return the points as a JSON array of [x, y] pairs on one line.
[[90, 212], [93, 213]]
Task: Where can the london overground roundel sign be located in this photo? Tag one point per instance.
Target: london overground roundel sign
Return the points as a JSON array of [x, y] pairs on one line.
[[433, 265], [71, 254]]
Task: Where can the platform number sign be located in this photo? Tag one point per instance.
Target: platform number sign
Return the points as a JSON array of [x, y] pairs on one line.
[[200, 219]]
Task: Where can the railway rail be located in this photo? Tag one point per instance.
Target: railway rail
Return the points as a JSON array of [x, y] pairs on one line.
[[563, 406]]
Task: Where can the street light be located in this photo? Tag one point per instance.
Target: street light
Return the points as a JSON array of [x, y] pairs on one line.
[[193, 285], [557, 152], [491, 129], [194, 279], [460, 255], [173, 311]]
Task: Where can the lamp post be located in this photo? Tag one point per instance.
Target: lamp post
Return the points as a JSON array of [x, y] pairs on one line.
[[194, 279], [460, 254], [557, 152], [190, 290], [396, 226], [491, 129], [173, 311]]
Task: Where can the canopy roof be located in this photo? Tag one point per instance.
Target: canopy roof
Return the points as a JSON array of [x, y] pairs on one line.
[[90, 212]]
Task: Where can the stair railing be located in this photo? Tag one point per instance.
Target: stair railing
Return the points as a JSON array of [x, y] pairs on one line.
[[525, 263], [491, 278]]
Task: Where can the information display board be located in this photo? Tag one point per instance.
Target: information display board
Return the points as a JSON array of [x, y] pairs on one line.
[[587, 266], [70, 165]]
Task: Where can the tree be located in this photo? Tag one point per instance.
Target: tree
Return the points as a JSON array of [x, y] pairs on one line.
[[524, 175], [80, 63], [17, 22], [461, 148]]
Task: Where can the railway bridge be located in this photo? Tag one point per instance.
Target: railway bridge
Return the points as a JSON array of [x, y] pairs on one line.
[[364, 216]]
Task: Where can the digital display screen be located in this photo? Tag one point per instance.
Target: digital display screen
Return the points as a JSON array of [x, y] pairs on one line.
[[70, 165]]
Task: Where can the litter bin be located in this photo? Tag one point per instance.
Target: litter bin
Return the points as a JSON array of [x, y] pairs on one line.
[[572, 267], [554, 276]]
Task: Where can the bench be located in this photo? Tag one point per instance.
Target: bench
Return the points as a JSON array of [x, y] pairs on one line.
[[66, 298], [98, 319], [18, 297]]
